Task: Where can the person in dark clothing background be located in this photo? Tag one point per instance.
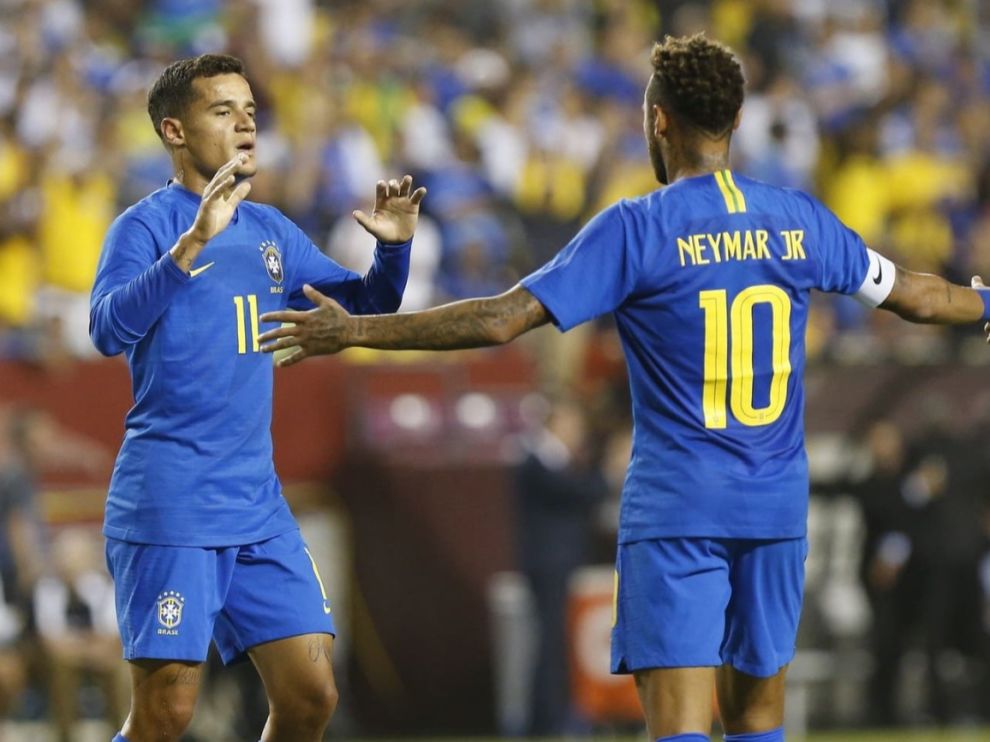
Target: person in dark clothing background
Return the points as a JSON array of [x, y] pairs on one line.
[[558, 489], [888, 573]]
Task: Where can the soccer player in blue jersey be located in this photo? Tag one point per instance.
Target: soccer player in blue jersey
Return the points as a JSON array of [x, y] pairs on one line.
[[200, 541], [709, 280]]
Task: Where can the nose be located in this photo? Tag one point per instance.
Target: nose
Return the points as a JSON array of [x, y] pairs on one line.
[[245, 122]]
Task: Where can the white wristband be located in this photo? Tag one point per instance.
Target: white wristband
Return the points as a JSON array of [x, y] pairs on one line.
[[879, 281]]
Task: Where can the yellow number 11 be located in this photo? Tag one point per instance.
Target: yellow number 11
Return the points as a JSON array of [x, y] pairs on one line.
[[252, 301], [720, 323]]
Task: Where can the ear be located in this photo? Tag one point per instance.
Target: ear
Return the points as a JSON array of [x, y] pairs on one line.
[[661, 122], [172, 132], [735, 124]]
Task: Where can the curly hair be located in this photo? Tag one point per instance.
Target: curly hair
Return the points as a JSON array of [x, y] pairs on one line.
[[698, 80], [173, 90]]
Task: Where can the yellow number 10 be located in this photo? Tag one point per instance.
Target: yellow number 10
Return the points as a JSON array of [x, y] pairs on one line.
[[252, 301], [719, 321]]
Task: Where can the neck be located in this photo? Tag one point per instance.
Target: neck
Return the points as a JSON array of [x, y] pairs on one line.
[[701, 158], [188, 177]]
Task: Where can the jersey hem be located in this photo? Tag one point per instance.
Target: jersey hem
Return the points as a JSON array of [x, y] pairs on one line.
[[129, 536], [759, 534]]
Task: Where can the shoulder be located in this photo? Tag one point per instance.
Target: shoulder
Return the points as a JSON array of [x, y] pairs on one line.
[[270, 219], [147, 216], [265, 213]]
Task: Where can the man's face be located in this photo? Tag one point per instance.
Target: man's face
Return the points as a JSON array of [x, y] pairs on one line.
[[219, 123], [653, 142]]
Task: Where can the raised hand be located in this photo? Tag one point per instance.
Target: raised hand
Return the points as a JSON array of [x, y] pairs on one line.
[[396, 211], [220, 199], [318, 331]]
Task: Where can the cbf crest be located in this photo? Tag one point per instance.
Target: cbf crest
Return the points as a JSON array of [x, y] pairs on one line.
[[273, 260], [170, 605]]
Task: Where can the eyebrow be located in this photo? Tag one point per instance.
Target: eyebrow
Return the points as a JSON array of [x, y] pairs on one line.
[[231, 104]]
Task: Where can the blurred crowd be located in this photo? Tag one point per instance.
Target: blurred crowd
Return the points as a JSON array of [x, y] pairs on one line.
[[522, 117]]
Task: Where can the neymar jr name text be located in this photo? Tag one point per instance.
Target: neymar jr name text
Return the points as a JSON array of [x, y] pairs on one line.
[[742, 244]]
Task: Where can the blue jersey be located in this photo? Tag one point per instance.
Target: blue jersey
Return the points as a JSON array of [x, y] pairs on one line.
[[195, 467], [709, 280]]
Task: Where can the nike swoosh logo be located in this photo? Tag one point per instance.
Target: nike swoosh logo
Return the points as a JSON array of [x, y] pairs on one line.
[[326, 606], [876, 278], [196, 271]]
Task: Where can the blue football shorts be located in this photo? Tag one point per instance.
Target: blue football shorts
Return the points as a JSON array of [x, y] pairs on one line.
[[172, 600], [705, 602]]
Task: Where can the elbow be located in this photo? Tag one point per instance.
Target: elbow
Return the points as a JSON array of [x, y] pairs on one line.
[[920, 310], [103, 340], [104, 345], [499, 330], [500, 334]]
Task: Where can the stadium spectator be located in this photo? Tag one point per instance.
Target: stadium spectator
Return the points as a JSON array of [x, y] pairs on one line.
[[557, 489], [75, 621]]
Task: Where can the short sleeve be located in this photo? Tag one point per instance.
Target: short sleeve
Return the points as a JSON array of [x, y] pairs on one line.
[[842, 255], [592, 275]]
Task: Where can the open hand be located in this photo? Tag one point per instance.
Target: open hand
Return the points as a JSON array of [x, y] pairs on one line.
[[319, 331], [396, 212], [221, 197]]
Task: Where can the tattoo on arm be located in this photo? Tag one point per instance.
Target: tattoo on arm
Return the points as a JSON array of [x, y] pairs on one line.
[[472, 323]]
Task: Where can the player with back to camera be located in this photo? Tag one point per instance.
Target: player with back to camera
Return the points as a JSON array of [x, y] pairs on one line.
[[709, 279], [200, 541]]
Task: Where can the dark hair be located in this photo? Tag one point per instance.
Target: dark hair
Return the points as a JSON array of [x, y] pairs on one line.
[[698, 80], [173, 90]]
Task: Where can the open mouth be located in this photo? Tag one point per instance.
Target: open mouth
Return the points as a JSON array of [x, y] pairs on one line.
[[248, 147]]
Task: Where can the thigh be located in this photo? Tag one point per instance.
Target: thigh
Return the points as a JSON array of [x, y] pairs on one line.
[[295, 668], [276, 592], [167, 598], [763, 613], [670, 604]]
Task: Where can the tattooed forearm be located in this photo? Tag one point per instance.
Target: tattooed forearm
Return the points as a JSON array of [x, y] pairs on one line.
[[929, 299], [473, 323]]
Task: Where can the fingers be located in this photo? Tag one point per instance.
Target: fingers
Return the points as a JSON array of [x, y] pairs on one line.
[[363, 219], [282, 316], [224, 177], [291, 359], [280, 344], [230, 167], [316, 297], [976, 282], [393, 188], [239, 193]]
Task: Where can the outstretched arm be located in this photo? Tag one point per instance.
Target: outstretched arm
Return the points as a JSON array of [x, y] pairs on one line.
[[928, 299], [472, 323]]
